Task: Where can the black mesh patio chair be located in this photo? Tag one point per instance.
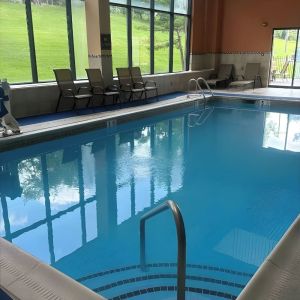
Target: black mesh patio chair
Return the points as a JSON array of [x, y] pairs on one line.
[[68, 89], [126, 84], [222, 78], [250, 77], [98, 86], [139, 82]]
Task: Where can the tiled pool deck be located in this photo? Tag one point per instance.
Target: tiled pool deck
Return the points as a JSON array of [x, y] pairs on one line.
[[39, 128]]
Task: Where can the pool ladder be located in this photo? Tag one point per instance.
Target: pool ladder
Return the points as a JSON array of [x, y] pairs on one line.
[[181, 242], [196, 83], [199, 118]]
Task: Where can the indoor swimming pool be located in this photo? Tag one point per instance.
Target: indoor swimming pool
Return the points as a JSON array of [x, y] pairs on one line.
[[233, 167]]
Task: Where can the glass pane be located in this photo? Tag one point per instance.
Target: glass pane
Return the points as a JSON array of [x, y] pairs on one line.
[[80, 38], [118, 21], [179, 46], [141, 39], [51, 38], [284, 45], [118, 1], [14, 50], [140, 3], [181, 6], [161, 42], [297, 66], [162, 5]]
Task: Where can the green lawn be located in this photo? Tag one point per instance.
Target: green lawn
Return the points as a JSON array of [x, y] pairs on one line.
[[279, 48], [50, 33]]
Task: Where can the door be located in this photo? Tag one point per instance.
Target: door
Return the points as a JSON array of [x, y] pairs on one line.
[[285, 63]]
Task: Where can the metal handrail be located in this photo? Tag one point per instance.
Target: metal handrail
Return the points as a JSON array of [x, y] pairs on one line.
[[197, 87], [206, 84], [181, 241]]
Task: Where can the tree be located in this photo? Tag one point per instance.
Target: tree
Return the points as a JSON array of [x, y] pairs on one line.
[[180, 31], [162, 24]]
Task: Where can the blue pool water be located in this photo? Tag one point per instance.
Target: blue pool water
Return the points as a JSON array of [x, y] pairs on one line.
[[233, 169]]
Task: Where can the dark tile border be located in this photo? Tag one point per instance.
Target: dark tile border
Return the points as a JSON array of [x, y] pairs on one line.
[[164, 265], [168, 276], [158, 289]]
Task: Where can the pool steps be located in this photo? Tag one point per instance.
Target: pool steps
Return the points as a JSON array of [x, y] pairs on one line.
[[200, 280]]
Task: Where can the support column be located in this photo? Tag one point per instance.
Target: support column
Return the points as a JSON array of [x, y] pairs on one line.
[[99, 37]]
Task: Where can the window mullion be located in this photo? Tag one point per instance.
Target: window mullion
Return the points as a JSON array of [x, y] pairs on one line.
[[129, 32], [152, 37], [31, 41], [171, 37], [295, 57], [188, 36], [70, 37]]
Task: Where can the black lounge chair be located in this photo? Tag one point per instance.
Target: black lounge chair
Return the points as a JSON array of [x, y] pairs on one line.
[[126, 84], [223, 77], [68, 89], [98, 86], [250, 77], [138, 81]]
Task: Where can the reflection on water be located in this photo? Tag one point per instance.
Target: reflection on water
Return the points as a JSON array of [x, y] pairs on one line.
[[88, 189], [282, 131], [76, 203]]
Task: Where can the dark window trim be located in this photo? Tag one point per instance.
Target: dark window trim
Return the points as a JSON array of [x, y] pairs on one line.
[[129, 33], [31, 41], [70, 37], [171, 37], [152, 56]]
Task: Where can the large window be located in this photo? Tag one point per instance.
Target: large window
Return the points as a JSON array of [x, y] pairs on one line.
[[14, 47], [51, 38], [152, 34], [141, 39], [119, 37], [39, 36]]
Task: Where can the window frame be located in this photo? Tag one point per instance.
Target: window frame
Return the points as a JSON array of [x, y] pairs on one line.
[[152, 12], [32, 49], [128, 7]]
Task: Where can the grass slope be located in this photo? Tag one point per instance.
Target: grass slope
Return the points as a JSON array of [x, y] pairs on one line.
[[50, 33]]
